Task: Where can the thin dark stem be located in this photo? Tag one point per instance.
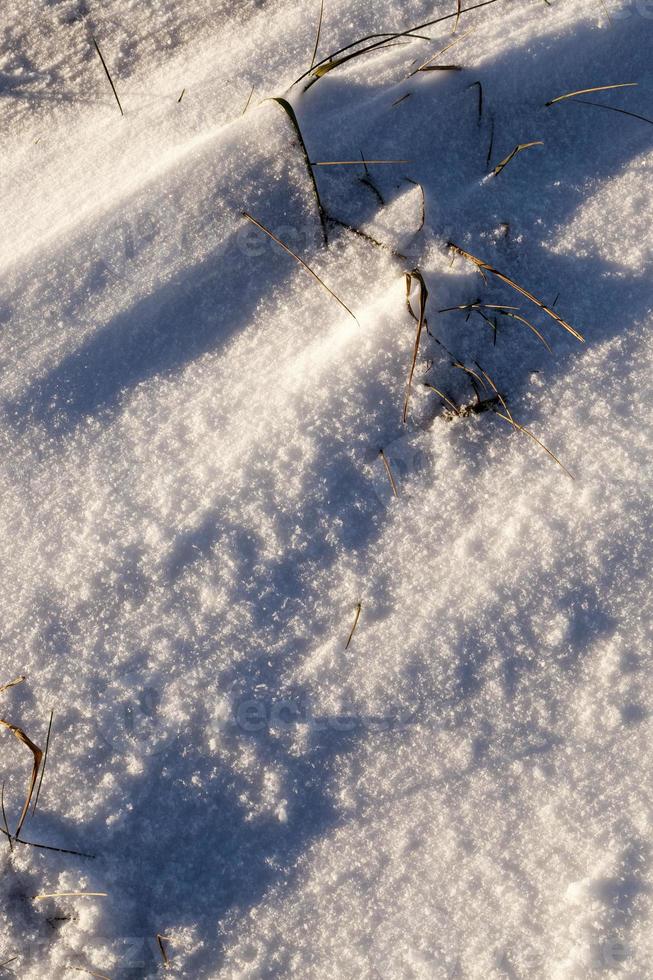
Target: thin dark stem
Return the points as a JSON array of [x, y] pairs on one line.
[[104, 65], [45, 847], [45, 759], [624, 112]]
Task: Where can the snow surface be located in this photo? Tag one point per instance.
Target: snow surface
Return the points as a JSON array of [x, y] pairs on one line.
[[193, 503]]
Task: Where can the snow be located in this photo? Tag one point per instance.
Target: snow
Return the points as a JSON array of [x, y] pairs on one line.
[[193, 502]]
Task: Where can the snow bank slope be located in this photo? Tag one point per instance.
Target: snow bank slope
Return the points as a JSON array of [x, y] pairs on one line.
[[193, 503]]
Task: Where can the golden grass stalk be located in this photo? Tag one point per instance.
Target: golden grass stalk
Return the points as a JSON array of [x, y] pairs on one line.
[[522, 319], [521, 428], [38, 755], [353, 163], [588, 91], [300, 260], [386, 463], [442, 68], [416, 276], [495, 390], [39, 898], [357, 616], [425, 64], [16, 680], [511, 156], [444, 398], [484, 267], [290, 112], [108, 74]]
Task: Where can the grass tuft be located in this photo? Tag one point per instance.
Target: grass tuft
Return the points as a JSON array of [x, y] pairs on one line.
[[333, 60], [485, 268]]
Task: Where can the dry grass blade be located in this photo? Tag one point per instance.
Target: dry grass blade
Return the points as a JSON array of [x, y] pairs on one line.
[[424, 65], [484, 267], [37, 754], [522, 319], [249, 99], [415, 275], [300, 260], [183, 92], [290, 112], [442, 68], [612, 108], [45, 761], [521, 428], [164, 954], [467, 370], [391, 478], [38, 898], [16, 680], [317, 37], [353, 163], [359, 606], [588, 91], [106, 70], [496, 391], [7, 962], [444, 398], [511, 156]]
